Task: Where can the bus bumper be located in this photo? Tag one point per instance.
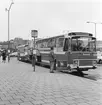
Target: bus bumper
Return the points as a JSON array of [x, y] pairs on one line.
[[83, 68]]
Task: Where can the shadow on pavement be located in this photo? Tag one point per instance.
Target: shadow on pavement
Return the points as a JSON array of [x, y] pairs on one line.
[[94, 77]]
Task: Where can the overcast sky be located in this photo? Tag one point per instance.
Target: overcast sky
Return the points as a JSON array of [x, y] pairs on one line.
[[49, 17]]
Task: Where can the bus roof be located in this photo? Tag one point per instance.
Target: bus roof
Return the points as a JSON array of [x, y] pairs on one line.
[[70, 34], [80, 33], [50, 38], [22, 45]]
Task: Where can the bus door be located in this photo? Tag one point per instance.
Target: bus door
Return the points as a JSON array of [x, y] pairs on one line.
[[67, 48], [61, 55]]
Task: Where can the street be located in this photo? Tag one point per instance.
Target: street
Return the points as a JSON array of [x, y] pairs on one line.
[[19, 85]]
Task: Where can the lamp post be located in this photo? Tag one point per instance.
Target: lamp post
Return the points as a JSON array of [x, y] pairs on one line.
[[95, 26], [8, 10], [95, 30]]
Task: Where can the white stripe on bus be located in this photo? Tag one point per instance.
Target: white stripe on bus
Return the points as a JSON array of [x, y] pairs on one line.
[[59, 52], [46, 61], [42, 52], [45, 52]]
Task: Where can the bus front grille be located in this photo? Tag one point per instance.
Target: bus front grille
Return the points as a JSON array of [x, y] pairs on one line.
[[85, 62]]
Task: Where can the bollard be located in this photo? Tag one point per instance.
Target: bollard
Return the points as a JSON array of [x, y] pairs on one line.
[[8, 58], [33, 62]]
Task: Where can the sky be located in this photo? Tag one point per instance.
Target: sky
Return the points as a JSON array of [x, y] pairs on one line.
[[50, 17]]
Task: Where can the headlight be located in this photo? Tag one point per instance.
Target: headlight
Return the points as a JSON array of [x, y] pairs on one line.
[[75, 63], [56, 65], [61, 63]]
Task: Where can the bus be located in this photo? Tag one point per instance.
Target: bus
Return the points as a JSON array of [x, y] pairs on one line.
[[72, 51], [99, 57], [24, 53]]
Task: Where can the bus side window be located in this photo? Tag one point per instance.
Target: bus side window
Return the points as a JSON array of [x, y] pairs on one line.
[[54, 42], [59, 43], [66, 45]]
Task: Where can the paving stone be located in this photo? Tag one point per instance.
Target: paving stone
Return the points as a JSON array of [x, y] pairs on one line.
[[59, 99], [71, 102], [27, 99], [48, 104], [84, 104], [60, 103], [4, 102], [68, 98], [48, 100], [15, 101], [26, 103], [37, 102], [18, 97], [38, 98], [49, 97], [11, 104], [6, 98], [94, 103]]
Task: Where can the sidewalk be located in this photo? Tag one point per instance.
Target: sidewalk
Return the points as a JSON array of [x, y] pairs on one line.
[[19, 85]]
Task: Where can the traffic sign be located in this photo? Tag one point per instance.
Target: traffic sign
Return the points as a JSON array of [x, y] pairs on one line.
[[34, 33]]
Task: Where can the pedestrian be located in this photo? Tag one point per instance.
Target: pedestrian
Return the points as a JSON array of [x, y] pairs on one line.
[[0, 56], [8, 55], [18, 55], [33, 61], [4, 56], [52, 60]]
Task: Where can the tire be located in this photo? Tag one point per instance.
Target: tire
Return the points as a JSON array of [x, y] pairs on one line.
[[100, 61], [80, 72]]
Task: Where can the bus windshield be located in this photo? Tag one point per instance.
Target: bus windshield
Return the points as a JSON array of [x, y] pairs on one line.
[[83, 44]]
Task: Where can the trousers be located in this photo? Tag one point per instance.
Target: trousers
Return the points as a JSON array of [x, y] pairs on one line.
[[51, 66]]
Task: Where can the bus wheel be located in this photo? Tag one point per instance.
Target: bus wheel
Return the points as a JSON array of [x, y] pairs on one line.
[[69, 69], [80, 72], [100, 61]]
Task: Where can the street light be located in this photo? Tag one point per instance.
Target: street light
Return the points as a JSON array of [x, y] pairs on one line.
[[34, 34], [95, 26], [8, 10]]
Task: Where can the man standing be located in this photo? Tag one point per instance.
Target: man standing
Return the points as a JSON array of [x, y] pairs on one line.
[[52, 60], [18, 55], [0, 56]]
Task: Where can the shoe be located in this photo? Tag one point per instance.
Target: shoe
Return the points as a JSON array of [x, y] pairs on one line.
[[51, 72]]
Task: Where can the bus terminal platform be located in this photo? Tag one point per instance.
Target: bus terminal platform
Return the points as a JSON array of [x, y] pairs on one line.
[[20, 85]]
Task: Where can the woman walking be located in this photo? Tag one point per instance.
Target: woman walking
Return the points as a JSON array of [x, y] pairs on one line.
[[4, 56]]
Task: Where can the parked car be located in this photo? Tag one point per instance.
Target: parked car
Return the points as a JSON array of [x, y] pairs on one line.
[[14, 54], [99, 57]]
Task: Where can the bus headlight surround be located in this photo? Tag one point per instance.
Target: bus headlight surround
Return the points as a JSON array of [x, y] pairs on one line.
[[61, 63], [75, 62], [94, 63]]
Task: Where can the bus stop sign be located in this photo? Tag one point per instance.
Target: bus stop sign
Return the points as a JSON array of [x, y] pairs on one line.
[[34, 33]]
